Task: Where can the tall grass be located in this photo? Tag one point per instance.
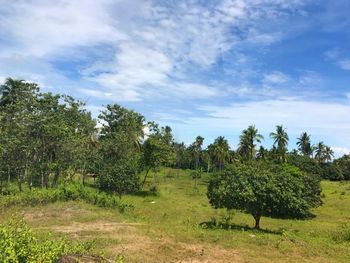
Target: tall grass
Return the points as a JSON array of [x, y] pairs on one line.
[[69, 192]]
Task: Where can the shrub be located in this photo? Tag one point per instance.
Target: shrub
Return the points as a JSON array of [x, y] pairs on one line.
[[19, 244], [64, 193], [342, 234]]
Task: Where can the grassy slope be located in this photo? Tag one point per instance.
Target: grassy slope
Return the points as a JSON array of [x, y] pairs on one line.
[[166, 228]]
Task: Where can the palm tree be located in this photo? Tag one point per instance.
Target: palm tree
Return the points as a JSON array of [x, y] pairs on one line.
[[319, 152], [247, 142], [262, 153], [328, 154], [8, 89], [304, 144], [196, 149], [220, 151], [280, 138]]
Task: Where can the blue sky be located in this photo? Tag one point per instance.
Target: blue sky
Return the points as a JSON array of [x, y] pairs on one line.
[[205, 68]]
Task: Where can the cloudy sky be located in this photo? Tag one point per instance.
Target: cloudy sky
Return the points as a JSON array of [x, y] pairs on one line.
[[205, 68]]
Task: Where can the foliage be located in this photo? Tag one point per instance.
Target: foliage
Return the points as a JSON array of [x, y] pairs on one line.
[[63, 193], [343, 163], [19, 244], [247, 142], [281, 139], [263, 189]]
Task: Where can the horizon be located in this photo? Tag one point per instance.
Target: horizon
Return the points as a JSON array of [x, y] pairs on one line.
[[209, 69]]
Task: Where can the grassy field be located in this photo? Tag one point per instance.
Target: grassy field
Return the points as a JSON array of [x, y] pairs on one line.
[[178, 225]]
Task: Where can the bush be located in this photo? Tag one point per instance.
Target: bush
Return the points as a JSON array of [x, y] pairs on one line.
[[342, 235], [119, 178], [64, 193], [332, 172], [19, 244]]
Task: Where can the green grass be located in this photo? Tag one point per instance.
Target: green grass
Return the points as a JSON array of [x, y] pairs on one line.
[[168, 227]]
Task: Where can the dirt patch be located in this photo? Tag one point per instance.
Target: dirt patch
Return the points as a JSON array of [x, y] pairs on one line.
[[167, 250]]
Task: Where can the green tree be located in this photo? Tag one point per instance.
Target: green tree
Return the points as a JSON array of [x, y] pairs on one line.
[[220, 152], [121, 158], [323, 153], [158, 149], [304, 144], [263, 189], [281, 139], [196, 154], [247, 142]]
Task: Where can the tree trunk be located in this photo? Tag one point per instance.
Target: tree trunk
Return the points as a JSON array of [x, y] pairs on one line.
[[19, 181], [144, 180], [42, 179], [8, 174], [155, 175], [257, 221]]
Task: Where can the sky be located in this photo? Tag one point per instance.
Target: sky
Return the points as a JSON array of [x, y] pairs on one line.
[[206, 68]]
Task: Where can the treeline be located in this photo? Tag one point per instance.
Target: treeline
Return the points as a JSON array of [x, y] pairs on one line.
[[47, 139]]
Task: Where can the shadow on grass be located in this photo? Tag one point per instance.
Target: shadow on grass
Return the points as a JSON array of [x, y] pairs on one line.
[[145, 193], [213, 224]]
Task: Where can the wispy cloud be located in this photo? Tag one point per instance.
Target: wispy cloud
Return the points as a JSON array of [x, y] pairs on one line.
[[228, 63], [345, 64]]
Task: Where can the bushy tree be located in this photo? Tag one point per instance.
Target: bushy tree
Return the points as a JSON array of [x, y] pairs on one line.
[[158, 149], [120, 139], [344, 165], [264, 189]]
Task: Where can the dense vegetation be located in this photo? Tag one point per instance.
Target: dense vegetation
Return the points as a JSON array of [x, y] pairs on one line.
[[18, 244], [52, 143]]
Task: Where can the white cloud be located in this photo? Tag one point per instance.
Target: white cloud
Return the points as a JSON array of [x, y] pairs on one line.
[[138, 47], [345, 64], [324, 120], [41, 28], [275, 77], [340, 151]]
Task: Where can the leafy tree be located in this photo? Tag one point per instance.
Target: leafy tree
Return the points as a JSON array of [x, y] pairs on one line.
[[158, 149], [263, 189], [305, 163], [120, 155], [344, 165], [280, 138]]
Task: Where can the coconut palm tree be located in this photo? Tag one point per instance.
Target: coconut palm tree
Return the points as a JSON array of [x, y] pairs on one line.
[[304, 144], [319, 152], [328, 154], [220, 151], [247, 141], [8, 89], [280, 138], [262, 153]]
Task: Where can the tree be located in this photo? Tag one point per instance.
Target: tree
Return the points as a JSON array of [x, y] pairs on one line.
[[328, 154], [344, 165], [280, 138], [120, 153], [263, 189], [196, 152], [247, 141], [262, 154], [304, 144], [219, 151], [158, 149], [323, 153]]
